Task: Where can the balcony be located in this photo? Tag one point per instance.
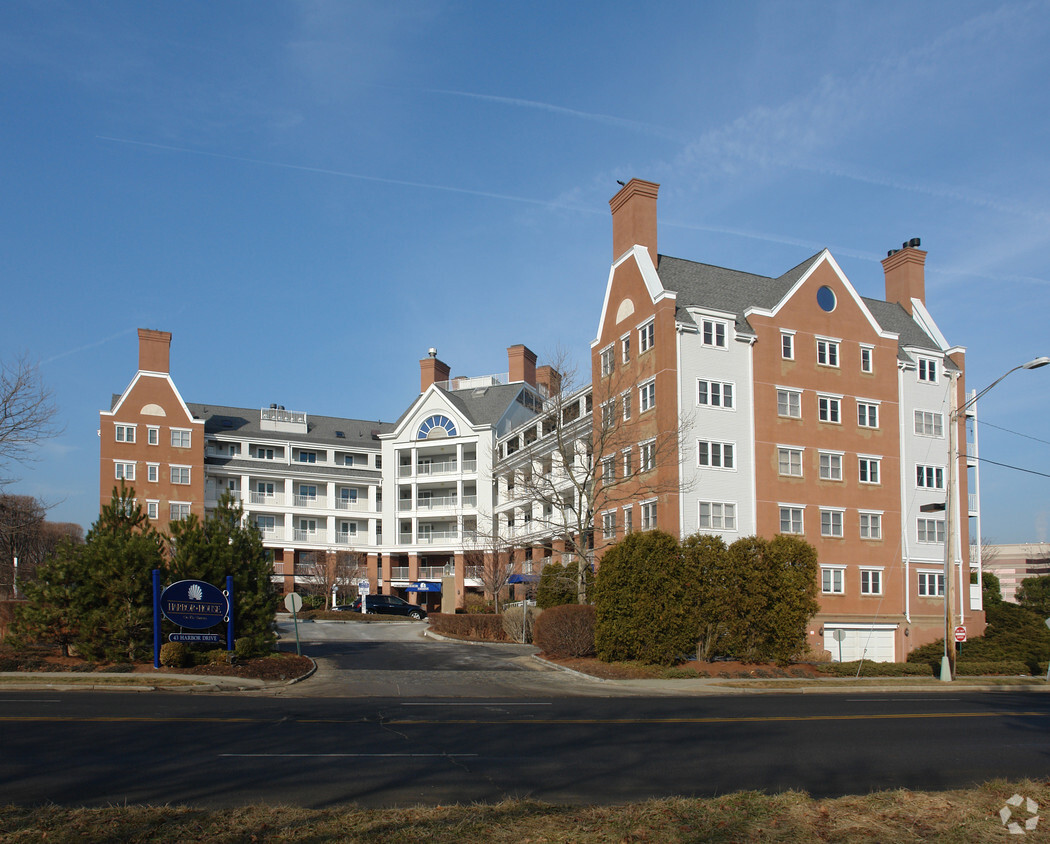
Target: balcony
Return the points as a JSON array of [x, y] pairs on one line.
[[431, 537], [973, 503], [269, 499], [399, 573], [307, 536], [444, 467], [351, 504], [470, 465], [310, 501], [436, 502], [275, 534], [345, 537]]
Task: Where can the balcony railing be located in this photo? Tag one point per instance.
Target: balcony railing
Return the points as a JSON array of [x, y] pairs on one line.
[[345, 537], [271, 499], [436, 502], [445, 467], [473, 572], [351, 504], [308, 501], [307, 535], [973, 502], [470, 465], [431, 572], [275, 534], [399, 573], [470, 501], [434, 536]]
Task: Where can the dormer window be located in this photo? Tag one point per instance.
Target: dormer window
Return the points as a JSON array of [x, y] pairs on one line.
[[928, 370], [436, 426]]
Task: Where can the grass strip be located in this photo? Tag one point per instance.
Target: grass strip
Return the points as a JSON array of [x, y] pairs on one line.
[[899, 816]]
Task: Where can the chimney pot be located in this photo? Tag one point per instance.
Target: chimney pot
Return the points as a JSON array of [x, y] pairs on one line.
[[634, 217]]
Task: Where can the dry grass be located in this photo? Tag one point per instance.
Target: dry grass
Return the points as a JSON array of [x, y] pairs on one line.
[[896, 816]]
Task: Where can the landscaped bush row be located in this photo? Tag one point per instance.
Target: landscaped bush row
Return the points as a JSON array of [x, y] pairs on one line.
[[875, 669], [474, 626], [1008, 668], [566, 631]]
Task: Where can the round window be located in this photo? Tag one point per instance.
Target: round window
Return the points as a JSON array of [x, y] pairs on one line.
[[826, 299]]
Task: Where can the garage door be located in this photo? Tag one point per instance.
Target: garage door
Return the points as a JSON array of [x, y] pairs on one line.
[[868, 642]]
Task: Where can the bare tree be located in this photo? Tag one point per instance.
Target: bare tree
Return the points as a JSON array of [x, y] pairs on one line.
[[491, 554], [586, 457], [320, 572], [25, 535], [27, 412]]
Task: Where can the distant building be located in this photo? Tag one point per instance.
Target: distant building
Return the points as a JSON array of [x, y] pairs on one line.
[[1014, 562]]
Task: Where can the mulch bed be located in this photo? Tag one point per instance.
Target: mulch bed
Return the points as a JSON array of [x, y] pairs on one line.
[[721, 670]]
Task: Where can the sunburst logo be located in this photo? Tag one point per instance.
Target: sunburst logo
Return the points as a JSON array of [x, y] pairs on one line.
[[195, 592], [1020, 820]]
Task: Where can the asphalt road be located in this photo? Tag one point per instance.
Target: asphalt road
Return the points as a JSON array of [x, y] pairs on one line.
[[88, 748]]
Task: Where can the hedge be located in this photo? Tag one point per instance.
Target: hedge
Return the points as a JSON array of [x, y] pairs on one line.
[[875, 669], [480, 627], [566, 630]]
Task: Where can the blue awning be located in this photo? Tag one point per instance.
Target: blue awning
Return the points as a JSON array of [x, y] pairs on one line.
[[423, 586], [524, 578]]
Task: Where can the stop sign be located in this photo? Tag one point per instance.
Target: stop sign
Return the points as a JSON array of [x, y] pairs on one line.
[[960, 634]]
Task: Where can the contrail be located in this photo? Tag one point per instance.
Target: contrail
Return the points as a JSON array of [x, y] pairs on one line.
[[346, 175], [607, 119], [88, 346]]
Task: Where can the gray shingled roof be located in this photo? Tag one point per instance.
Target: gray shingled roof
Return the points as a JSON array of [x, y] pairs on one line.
[[733, 291], [245, 422], [480, 405]]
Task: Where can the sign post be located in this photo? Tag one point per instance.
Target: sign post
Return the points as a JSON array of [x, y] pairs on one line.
[[293, 601], [838, 635], [1047, 622], [362, 589]]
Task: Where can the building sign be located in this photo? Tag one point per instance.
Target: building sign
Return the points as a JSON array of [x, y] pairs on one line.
[[196, 638], [194, 604]]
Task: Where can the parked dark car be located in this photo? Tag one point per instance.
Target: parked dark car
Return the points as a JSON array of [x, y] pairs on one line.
[[385, 605]]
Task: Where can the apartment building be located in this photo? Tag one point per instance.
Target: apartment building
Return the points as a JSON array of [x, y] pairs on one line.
[[719, 401], [797, 406]]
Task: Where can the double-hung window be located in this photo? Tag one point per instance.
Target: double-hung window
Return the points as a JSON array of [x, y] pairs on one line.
[[125, 433], [609, 525], [789, 403], [153, 435], [178, 510], [648, 509], [789, 462], [868, 470], [829, 409], [608, 470], [870, 581], [713, 333], [608, 415], [307, 456], [153, 509], [180, 474], [832, 580], [626, 405], [866, 359], [830, 466], [931, 584], [647, 396], [607, 362], [180, 438], [152, 472], [867, 414], [929, 477], [714, 393], [647, 452], [928, 370], [787, 345], [790, 519], [646, 336], [627, 468], [929, 424], [831, 523], [714, 455], [124, 471], [717, 515], [625, 348], [930, 530], [827, 352], [871, 526]]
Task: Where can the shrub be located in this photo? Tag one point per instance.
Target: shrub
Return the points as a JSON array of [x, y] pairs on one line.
[[473, 626], [875, 669], [476, 605], [119, 668], [174, 655], [246, 647], [514, 619], [217, 656], [566, 630], [975, 668], [558, 584]]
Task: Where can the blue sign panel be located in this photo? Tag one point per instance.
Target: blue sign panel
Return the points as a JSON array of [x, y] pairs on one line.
[[194, 604]]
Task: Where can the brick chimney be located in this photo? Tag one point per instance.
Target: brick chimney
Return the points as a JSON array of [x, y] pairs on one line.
[[634, 217], [154, 350], [432, 371], [905, 274], [522, 364], [548, 380]]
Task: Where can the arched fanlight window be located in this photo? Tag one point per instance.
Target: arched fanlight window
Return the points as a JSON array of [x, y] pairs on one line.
[[436, 426]]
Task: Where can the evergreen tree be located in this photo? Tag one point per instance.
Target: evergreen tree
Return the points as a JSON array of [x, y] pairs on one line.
[[559, 584], [706, 556], [50, 613], [1034, 594], [222, 545], [792, 570]]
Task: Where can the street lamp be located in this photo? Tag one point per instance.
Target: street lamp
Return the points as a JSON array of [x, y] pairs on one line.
[[948, 660]]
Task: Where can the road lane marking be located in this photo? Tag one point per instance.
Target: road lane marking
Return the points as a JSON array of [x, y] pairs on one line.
[[479, 703], [343, 755]]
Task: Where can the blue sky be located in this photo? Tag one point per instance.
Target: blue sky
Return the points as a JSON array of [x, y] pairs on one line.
[[308, 195]]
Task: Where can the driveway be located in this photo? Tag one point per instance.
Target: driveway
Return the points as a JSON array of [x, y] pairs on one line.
[[397, 659]]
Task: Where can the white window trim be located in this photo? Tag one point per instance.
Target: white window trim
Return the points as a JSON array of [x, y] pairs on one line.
[[155, 469], [935, 467], [935, 540], [784, 332], [723, 443], [818, 339], [802, 510], [641, 330], [642, 389], [180, 431], [938, 366], [842, 580], [794, 391], [830, 397], [120, 470], [715, 321], [881, 571], [842, 512], [723, 505], [880, 514], [801, 463], [870, 458], [189, 474], [934, 414], [935, 573], [150, 431], [625, 345], [123, 426], [610, 351], [722, 393], [871, 357], [156, 508], [839, 454]]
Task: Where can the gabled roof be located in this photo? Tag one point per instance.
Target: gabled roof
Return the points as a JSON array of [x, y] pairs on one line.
[[245, 422], [478, 405]]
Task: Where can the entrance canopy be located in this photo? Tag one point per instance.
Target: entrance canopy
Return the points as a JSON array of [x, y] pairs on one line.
[[423, 586]]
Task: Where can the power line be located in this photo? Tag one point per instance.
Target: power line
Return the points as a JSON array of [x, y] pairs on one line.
[[982, 423], [1015, 468]]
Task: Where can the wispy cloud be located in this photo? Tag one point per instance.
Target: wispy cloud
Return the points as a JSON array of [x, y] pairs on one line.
[[343, 174], [87, 346]]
